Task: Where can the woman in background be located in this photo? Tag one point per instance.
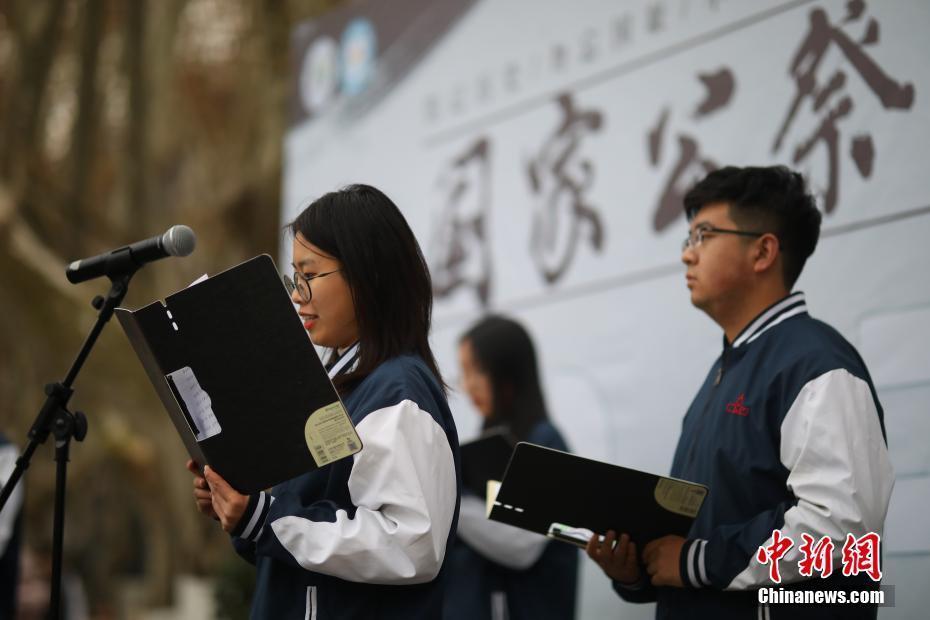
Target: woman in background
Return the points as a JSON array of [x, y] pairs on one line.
[[496, 570]]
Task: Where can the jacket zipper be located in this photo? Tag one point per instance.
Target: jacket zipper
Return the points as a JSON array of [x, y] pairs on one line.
[[717, 378]]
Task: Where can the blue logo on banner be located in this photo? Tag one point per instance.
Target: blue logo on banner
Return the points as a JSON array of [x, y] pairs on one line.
[[359, 53]]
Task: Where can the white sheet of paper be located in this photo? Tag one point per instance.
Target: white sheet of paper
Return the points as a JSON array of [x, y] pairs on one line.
[[198, 403]]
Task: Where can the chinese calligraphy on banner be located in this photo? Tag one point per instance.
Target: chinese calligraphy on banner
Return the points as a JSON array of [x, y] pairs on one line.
[[541, 149]]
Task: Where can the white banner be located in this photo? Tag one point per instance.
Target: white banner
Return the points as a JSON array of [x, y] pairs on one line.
[[540, 151]]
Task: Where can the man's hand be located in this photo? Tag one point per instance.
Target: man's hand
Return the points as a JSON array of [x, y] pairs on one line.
[[228, 504], [618, 562], [662, 557]]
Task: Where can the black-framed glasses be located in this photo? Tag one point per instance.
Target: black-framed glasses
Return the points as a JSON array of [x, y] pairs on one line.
[[696, 238], [301, 283]]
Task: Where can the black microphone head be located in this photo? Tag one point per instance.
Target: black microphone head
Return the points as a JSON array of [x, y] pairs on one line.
[[179, 240]]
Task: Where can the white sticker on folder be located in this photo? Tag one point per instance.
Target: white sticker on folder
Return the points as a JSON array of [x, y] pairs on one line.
[[679, 497], [197, 402]]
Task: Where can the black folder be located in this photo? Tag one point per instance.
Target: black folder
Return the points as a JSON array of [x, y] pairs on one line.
[[237, 373], [485, 458], [543, 488]]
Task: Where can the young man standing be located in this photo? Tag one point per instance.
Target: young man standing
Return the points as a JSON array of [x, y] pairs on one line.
[[786, 430]]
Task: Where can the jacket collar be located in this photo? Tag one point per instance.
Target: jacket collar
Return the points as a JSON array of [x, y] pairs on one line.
[[345, 363], [792, 305]]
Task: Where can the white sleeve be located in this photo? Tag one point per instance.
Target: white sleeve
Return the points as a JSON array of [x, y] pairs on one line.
[[505, 544], [404, 487], [8, 456], [839, 470]]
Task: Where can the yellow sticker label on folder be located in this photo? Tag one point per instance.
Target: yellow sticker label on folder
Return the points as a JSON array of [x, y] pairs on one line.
[[330, 435], [492, 486], [683, 498]]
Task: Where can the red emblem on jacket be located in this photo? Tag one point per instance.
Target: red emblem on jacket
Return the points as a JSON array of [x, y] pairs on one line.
[[737, 407]]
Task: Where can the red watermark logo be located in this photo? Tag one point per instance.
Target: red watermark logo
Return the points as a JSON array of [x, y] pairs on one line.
[[860, 555]]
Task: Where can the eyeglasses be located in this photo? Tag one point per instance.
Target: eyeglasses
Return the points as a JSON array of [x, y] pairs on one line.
[[696, 238], [301, 283]]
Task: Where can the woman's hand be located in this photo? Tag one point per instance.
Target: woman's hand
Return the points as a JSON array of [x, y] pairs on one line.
[[618, 562], [215, 498], [202, 495], [228, 504]]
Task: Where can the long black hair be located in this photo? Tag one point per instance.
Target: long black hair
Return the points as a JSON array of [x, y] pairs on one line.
[[384, 267], [504, 351]]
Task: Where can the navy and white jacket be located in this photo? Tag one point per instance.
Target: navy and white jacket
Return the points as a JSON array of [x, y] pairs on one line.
[[364, 537], [788, 433], [498, 571]]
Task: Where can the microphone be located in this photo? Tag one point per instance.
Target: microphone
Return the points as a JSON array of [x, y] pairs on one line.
[[177, 241]]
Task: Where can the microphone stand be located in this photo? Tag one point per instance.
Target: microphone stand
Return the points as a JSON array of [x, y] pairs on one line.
[[55, 418]]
